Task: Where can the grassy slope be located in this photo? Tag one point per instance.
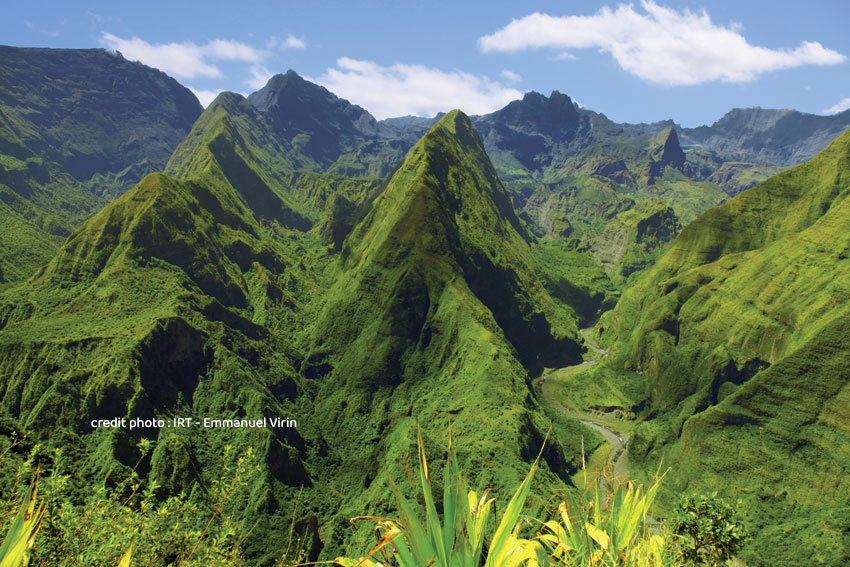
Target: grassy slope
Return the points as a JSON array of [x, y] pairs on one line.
[[738, 336], [76, 130], [583, 190], [213, 295]]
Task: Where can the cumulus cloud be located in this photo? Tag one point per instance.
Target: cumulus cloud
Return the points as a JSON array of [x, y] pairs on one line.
[[185, 60], [660, 45], [205, 97], [840, 106], [510, 76], [400, 89], [259, 77], [292, 42]]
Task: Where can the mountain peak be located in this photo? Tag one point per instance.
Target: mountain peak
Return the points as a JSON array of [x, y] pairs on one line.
[[443, 229], [284, 80], [460, 126], [553, 115], [330, 125], [670, 149]]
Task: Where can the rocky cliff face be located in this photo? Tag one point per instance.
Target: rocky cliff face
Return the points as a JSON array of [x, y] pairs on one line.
[[768, 137], [321, 124]]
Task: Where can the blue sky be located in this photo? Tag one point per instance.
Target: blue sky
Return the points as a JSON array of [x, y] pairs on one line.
[[641, 62]]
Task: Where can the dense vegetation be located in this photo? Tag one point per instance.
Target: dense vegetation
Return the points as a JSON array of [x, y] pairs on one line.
[[297, 259], [734, 345], [77, 129], [218, 295]]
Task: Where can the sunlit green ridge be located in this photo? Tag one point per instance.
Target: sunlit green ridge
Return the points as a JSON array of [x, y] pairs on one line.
[[236, 286], [738, 333]]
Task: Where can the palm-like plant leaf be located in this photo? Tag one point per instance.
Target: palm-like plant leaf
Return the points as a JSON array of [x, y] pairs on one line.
[[17, 546], [457, 541]]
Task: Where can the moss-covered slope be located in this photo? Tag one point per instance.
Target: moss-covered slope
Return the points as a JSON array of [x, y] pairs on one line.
[[241, 288], [77, 128], [738, 336]]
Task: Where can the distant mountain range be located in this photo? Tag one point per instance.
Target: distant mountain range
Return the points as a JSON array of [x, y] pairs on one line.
[[570, 170]]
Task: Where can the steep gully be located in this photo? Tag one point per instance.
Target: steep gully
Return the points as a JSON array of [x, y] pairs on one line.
[[618, 460]]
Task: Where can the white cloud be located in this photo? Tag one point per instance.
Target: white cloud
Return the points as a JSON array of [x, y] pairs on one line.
[[205, 97], [259, 77], [565, 56], [660, 45], [400, 89], [228, 50], [510, 76], [184, 60], [292, 42], [841, 106]]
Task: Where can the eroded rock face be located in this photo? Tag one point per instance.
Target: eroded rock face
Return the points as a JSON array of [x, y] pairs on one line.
[[667, 154], [332, 126], [768, 137], [634, 238]]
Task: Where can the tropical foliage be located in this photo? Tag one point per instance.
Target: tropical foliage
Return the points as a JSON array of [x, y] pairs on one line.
[[712, 526], [610, 532], [112, 525]]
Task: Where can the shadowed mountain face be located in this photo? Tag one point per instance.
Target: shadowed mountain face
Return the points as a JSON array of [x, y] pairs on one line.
[[330, 126], [768, 137], [533, 129], [331, 134], [738, 337], [77, 129], [93, 112]]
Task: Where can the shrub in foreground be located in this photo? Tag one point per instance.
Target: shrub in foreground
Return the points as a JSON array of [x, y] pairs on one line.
[[586, 532]]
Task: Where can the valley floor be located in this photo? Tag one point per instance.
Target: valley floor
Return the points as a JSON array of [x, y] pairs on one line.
[[616, 467]]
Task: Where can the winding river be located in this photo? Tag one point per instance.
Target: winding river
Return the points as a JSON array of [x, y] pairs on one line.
[[618, 460]]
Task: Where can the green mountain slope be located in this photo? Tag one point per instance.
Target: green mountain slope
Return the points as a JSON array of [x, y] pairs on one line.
[[77, 129], [239, 288], [735, 344], [434, 317]]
